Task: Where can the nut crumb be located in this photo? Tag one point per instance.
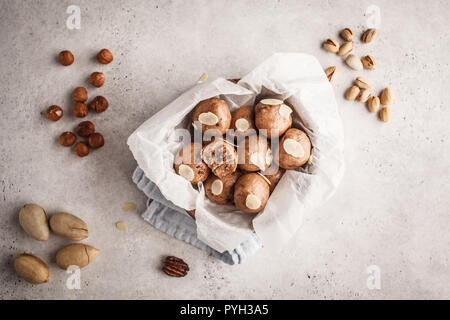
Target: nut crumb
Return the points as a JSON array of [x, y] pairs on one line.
[[121, 226], [128, 206]]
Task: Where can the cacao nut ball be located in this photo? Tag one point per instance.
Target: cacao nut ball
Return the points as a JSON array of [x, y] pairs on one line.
[[99, 104], [67, 139], [85, 129], [81, 149]]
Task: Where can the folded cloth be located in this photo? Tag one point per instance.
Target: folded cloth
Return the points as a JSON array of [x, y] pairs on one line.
[[173, 220]]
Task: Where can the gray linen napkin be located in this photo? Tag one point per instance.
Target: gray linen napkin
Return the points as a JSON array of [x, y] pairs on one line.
[[173, 220]]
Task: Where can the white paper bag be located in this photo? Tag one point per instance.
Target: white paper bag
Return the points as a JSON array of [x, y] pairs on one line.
[[297, 78]]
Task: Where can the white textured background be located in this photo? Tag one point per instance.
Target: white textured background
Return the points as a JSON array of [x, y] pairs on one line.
[[392, 209]]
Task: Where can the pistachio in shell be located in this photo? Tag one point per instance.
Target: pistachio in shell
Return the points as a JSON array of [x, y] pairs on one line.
[[33, 220], [76, 254], [31, 268], [69, 226]]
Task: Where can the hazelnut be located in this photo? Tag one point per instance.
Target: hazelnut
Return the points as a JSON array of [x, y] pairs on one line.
[[66, 58], [99, 104], [67, 139], [104, 56], [81, 149], [85, 129], [80, 94], [97, 79], [80, 109], [96, 140], [54, 113]]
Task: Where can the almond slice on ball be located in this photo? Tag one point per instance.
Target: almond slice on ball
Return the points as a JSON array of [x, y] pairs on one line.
[[217, 187], [252, 202], [257, 161], [208, 118], [268, 157], [294, 148], [186, 172], [285, 111], [271, 102], [242, 124]]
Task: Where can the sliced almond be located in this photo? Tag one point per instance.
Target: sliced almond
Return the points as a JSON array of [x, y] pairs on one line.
[[128, 206], [271, 102], [186, 172], [208, 118], [285, 111], [257, 161], [217, 187], [252, 202], [121, 226], [269, 157], [242, 124], [294, 148], [203, 78]]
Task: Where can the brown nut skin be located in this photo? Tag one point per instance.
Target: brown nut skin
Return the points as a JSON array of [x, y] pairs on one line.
[[80, 94], [54, 113], [288, 161], [96, 140], [191, 213], [99, 104], [97, 79], [85, 128], [249, 146], [66, 58], [217, 106], [226, 196], [33, 221], [81, 149], [269, 118], [76, 254], [246, 113], [67, 139], [190, 155], [68, 226], [80, 110], [31, 268], [251, 183], [105, 56], [274, 178], [221, 157]]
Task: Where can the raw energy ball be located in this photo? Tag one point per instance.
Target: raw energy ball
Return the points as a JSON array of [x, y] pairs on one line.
[[294, 149], [254, 154], [221, 190], [251, 193], [189, 164], [273, 116], [221, 157], [242, 121], [212, 113]]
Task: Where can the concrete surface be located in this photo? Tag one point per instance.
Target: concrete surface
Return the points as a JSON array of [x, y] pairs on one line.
[[391, 211]]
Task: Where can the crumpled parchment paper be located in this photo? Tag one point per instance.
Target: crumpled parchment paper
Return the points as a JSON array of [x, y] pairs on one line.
[[295, 77]]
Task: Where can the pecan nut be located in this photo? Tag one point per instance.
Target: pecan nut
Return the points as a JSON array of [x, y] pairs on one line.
[[175, 267]]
